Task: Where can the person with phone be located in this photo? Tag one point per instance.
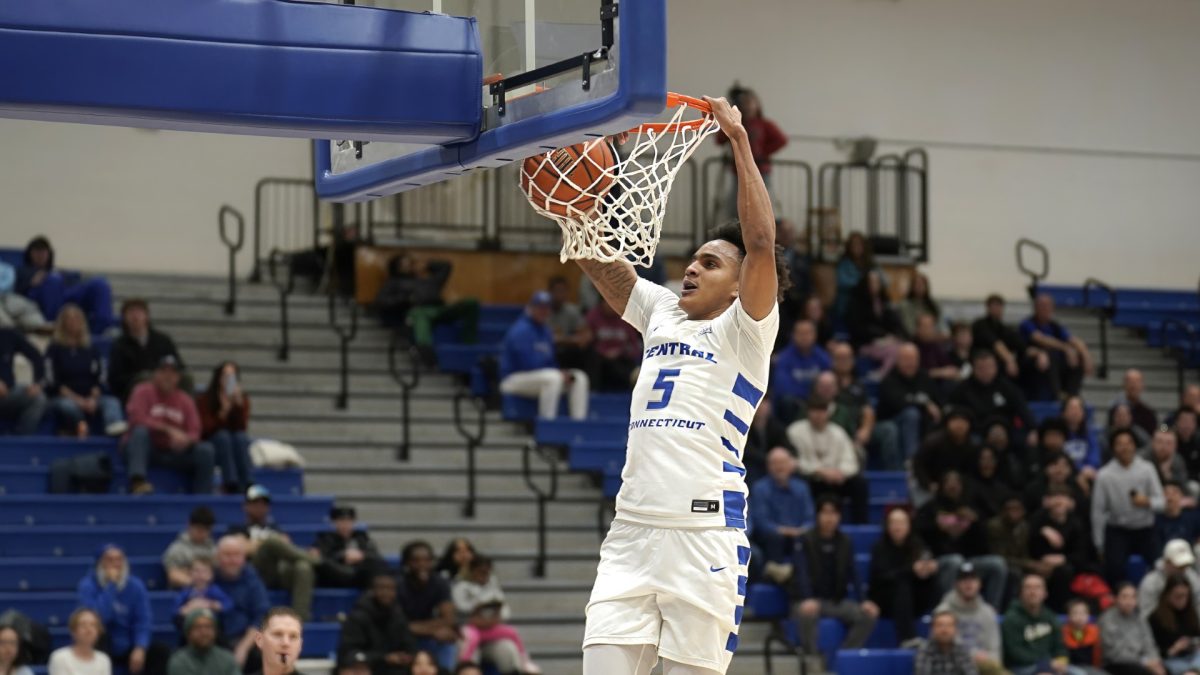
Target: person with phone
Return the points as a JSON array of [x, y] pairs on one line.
[[224, 415], [1125, 498]]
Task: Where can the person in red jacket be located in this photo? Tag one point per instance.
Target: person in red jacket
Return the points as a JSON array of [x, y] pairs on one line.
[[1082, 638], [164, 430], [765, 138], [224, 413]]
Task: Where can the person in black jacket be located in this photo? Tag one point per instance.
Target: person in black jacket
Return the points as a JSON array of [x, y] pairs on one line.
[[349, 558], [1059, 546], [909, 399], [990, 332], [903, 576], [139, 349], [875, 329], [22, 406], [413, 295], [376, 639], [990, 482], [825, 578], [948, 449], [955, 534], [989, 395]]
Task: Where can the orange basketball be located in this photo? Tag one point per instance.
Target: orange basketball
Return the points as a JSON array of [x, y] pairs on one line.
[[586, 179]]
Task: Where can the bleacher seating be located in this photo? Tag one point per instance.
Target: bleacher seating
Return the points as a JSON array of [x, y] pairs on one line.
[[1144, 309]]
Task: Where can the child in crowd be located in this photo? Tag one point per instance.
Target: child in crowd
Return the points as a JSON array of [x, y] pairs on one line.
[[480, 599], [1082, 638], [202, 594]]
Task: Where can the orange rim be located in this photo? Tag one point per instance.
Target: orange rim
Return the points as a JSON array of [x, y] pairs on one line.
[[673, 101]]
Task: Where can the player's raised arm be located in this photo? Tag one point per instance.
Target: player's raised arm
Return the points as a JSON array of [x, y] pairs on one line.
[[758, 287], [614, 280]]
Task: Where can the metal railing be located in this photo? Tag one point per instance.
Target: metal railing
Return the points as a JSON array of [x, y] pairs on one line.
[[777, 637], [407, 381], [285, 284], [1105, 313], [234, 244], [886, 199], [1183, 357], [544, 496], [345, 335], [474, 438], [286, 217], [1034, 274]]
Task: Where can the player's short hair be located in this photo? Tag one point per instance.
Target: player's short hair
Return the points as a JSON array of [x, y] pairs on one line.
[[732, 233], [281, 611]]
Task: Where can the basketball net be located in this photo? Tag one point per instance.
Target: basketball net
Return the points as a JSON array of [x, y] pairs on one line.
[[628, 201]]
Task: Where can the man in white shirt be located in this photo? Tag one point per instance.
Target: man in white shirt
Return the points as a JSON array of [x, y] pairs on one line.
[[829, 459]]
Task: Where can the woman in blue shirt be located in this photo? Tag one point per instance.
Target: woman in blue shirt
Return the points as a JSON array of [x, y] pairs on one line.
[[74, 371]]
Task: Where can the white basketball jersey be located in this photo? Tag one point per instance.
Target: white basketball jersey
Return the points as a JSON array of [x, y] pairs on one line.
[[695, 397]]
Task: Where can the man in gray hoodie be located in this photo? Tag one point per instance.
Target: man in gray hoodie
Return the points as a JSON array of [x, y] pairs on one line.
[[1177, 558], [978, 627], [195, 541], [1126, 640]]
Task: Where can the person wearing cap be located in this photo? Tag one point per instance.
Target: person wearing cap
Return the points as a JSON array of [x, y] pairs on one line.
[[349, 557], [202, 655], [376, 639], [828, 458], [1178, 558], [196, 540], [123, 604], [164, 431], [909, 399], [978, 626], [1125, 498], [138, 350], [529, 368], [279, 562], [20, 406], [947, 449]]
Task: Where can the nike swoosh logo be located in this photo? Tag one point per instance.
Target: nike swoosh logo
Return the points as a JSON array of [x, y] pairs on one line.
[[715, 569]]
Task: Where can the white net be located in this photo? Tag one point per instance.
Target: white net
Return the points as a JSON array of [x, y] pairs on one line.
[[618, 213]]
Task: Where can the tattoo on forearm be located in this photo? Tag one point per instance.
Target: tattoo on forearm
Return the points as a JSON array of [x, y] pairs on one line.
[[614, 279]]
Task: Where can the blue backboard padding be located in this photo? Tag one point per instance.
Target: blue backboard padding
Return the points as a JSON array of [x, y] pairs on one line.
[[264, 67]]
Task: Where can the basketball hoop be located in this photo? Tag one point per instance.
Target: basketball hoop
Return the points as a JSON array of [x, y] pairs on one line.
[[618, 215]]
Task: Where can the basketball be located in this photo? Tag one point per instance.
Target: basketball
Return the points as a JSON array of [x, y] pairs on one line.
[[568, 178]]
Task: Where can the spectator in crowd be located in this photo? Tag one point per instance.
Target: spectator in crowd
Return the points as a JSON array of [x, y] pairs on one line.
[[616, 348], [480, 600], [1176, 521], [1082, 638], [138, 351], [1162, 455], [193, 542], [956, 535], [781, 509], [828, 458], [995, 435], [468, 668], [902, 578], [849, 413], [978, 628], [1125, 638], [766, 139], [224, 413], [123, 604], [202, 655], [202, 593], [571, 334], [375, 638], [456, 559], [798, 262], [248, 595], [947, 449], [1056, 473], [279, 562], [1070, 359], [796, 368], [1052, 442], [856, 262], [40, 281], [348, 557], [415, 291], [165, 431], [1008, 537], [12, 661], [73, 377], [1081, 443], [1133, 386], [989, 396], [942, 654], [962, 343], [766, 433], [909, 399], [991, 333], [1031, 635], [425, 598], [826, 580], [16, 310], [81, 656], [424, 664], [1120, 418], [935, 358], [1126, 496], [814, 311], [1177, 559], [853, 403], [875, 330], [21, 406], [1058, 545], [919, 301], [1176, 627], [1187, 439], [528, 367], [989, 482]]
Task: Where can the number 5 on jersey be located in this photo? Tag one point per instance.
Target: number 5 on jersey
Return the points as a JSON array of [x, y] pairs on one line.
[[666, 386]]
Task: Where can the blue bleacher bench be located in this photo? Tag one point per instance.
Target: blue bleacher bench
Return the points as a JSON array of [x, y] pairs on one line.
[[81, 540], [31, 480], [149, 509], [876, 661]]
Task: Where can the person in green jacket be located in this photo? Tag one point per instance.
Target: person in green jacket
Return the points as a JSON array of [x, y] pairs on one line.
[[1032, 636], [202, 656]]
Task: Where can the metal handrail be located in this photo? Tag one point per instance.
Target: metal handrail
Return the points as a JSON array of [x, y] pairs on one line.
[[407, 384], [543, 497], [776, 636], [345, 336], [256, 272], [234, 244], [285, 286], [474, 439], [1182, 358], [1034, 275], [1105, 314]]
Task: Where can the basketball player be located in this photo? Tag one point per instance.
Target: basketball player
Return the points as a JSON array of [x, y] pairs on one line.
[[672, 574], [280, 640]]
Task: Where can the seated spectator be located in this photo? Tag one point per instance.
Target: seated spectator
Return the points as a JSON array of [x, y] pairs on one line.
[[1187, 439], [164, 431], [348, 557], [798, 263], [1125, 639], [571, 333], [828, 458], [936, 360], [989, 332], [1056, 473], [248, 596], [795, 368], [875, 330], [424, 664], [854, 403], [138, 351], [1032, 636], [202, 655], [123, 604], [857, 262], [1176, 521], [1008, 537], [909, 399], [1120, 418], [1132, 387], [989, 482], [279, 562], [824, 591], [456, 559], [962, 344], [12, 661], [375, 637], [956, 535], [989, 396], [942, 654], [995, 433], [193, 542], [1082, 638], [1069, 357], [855, 416], [902, 579], [1058, 545], [414, 291], [202, 593], [1081, 443], [1177, 559], [81, 656], [528, 367], [918, 302], [1162, 455], [978, 628], [1126, 496], [781, 510], [766, 433], [40, 281], [1191, 398], [22, 406], [480, 601], [947, 449], [1176, 627], [425, 598], [224, 414], [616, 348], [16, 310], [73, 371], [814, 311]]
